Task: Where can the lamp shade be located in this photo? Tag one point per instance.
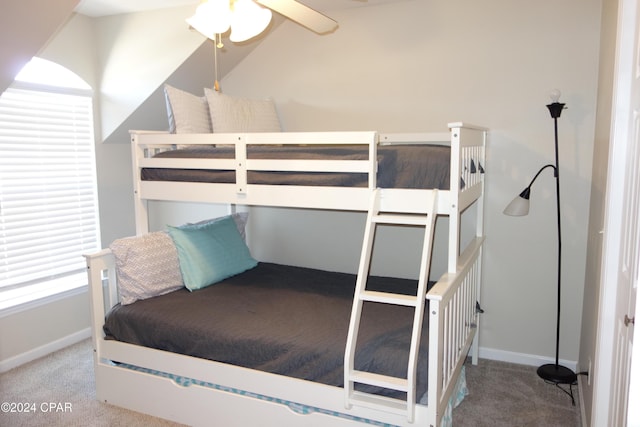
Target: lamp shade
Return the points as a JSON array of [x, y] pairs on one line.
[[519, 206], [212, 17], [248, 20]]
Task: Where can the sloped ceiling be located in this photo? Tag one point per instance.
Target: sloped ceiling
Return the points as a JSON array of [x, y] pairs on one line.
[[25, 28]]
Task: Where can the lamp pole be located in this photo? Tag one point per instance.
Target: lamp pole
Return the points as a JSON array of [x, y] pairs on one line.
[[555, 373], [555, 109]]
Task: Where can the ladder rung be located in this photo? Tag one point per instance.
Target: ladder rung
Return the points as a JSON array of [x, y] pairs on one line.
[[388, 298], [385, 381], [400, 219], [374, 401]]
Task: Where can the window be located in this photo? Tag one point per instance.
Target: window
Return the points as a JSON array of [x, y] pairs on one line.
[[48, 197]]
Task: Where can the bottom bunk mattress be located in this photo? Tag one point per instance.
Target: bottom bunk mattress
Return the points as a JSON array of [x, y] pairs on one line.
[[280, 319]]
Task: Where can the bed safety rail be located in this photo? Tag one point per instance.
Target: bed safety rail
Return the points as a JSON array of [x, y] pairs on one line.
[[241, 164], [453, 323]]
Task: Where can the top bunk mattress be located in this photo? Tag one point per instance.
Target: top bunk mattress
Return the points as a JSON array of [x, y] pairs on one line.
[[421, 166], [280, 319]]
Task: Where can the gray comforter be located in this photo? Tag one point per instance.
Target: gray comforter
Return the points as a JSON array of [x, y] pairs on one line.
[[280, 319]]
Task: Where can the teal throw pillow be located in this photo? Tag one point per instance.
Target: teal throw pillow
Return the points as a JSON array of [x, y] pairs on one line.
[[210, 252]]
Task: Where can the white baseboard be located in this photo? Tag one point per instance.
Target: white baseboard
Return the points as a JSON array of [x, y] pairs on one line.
[[43, 350], [523, 358]]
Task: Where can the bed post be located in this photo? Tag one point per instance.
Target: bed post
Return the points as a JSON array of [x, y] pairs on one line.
[[454, 198], [466, 188], [475, 346], [140, 205], [103, 295]]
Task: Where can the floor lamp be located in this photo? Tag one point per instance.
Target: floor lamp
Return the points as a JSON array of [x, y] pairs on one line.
[[553, 372]]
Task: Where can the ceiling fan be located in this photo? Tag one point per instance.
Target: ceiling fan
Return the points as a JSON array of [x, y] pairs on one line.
[[248, 18], [302, 14]]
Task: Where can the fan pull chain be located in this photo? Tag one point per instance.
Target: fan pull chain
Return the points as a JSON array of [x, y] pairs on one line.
[[217, 44]]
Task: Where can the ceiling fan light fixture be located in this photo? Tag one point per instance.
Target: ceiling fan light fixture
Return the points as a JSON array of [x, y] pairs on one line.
[[212, 17], [248, 20]]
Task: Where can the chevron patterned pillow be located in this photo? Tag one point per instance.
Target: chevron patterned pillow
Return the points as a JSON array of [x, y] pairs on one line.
[[146, 266]]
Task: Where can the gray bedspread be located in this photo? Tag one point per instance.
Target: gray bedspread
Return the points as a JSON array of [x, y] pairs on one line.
[[280, 319], [399, 166]]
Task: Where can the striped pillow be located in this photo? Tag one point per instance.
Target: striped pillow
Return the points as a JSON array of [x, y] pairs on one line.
[[187, 113], [233, 114]]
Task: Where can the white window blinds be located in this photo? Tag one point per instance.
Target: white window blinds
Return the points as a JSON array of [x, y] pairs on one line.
[[48, 201]]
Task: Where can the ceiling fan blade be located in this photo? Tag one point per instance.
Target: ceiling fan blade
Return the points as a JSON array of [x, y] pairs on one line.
[[302, 14]]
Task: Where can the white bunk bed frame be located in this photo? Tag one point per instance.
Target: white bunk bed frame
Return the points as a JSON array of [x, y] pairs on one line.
[[241, 396]]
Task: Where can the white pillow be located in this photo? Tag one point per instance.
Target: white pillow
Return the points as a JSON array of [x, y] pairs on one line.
[[187, 113], [234, 114], [146, 266]]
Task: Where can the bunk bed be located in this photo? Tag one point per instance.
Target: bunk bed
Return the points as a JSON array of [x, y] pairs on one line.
[[345, 171]]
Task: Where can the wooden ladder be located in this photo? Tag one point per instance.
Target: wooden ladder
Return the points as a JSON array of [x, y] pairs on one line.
[[353, 376]]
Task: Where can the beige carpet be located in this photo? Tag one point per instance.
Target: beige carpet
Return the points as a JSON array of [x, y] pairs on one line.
[[510, 395], [60, 387]]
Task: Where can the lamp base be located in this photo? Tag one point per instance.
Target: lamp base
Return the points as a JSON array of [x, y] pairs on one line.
[[557, 374]]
